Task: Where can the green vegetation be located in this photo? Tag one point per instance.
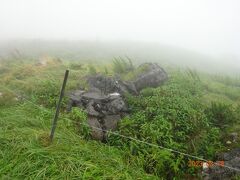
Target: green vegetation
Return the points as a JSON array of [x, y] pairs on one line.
[[192, 113], [121, 65]]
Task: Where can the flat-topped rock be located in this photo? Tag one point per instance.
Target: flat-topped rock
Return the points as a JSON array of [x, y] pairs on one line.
[[94, 95]]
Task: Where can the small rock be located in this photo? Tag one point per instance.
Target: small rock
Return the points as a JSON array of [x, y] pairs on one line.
[[91, 110], [116, 106], [111, 121], [96, 131], [228, 142]]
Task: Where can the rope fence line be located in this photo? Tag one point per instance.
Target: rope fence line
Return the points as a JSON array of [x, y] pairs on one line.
[[131, 138]]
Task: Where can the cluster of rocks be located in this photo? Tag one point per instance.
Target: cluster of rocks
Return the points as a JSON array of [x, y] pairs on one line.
[[104, 111], [152, 75], [104, 99], [231, 159]]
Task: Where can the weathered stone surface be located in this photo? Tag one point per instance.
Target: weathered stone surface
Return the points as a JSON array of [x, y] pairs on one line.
[[75, 99], [152, 76], [116, 105], [110, 122], [97, 104], [96, 128], [107, 85], [91, 109]]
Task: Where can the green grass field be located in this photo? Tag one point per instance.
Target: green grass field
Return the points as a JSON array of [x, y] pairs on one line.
[[193, 113]]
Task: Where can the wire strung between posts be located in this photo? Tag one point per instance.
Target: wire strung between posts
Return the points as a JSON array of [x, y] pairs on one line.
[[131, 138], [158, 146]]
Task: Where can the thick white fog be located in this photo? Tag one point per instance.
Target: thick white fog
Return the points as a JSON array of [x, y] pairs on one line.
[[208, 26]]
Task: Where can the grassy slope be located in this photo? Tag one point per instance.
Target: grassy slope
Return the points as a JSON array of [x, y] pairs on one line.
[[24, 129], [23, 133], [24, 150]]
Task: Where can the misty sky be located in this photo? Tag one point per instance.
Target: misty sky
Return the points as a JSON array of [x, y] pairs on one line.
[[208, 26]]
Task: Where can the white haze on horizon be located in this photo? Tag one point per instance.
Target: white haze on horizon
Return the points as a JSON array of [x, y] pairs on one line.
[[208, 26]]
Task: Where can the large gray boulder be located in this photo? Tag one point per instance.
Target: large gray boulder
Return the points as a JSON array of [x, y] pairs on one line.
[[107, 85], [152, 76]]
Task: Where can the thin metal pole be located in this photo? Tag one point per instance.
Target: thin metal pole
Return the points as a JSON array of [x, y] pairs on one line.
[[54, 124]]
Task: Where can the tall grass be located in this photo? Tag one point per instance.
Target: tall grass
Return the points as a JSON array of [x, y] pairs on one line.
[[121, 65]]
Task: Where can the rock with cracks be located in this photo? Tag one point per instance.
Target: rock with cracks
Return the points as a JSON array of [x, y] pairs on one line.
[[152, 76], [104, 111]]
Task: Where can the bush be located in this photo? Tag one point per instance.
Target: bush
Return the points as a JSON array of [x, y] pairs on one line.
[[171, 116], [76, 66], [121, 65], [4, 70], [79, 119], [24, 72], [7, 98], [221, 115], [92, 70], [147, 92], [48, 93]]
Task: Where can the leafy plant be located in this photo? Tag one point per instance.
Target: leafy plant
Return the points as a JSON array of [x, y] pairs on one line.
[[170, 116], [92, 70], [79, 118], [221, 115], [7, 98], [48, 93]]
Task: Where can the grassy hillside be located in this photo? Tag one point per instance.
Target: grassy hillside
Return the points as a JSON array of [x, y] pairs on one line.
[[193, 113]]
